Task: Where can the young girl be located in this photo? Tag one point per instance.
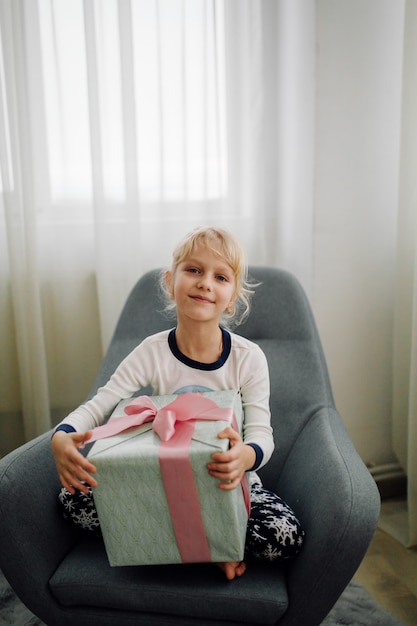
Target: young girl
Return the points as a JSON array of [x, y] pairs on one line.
[[207, 285]]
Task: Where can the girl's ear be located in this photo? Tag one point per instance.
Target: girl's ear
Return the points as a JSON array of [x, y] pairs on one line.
[[231, 306], [169, 283]]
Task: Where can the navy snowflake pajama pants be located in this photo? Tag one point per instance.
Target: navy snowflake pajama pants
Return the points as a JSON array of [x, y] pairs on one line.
[[274, 532]]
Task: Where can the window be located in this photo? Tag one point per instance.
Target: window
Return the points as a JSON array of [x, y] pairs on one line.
[[138, 89]]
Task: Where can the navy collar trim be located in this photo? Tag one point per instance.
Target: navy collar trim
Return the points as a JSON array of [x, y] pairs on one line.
[[227, 345]]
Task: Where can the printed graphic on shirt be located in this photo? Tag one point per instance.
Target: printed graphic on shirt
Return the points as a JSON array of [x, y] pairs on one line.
[[192, 389]]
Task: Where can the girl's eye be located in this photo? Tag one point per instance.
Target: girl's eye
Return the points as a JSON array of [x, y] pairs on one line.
[[192, 270], [222, 278]]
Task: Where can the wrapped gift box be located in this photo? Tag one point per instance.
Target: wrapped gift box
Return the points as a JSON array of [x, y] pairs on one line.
[[157, 504]]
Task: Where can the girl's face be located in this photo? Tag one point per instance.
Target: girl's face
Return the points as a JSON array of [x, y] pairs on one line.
[[203, 286]]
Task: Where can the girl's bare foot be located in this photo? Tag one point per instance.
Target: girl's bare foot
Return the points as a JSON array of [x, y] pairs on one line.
[[233, 569]]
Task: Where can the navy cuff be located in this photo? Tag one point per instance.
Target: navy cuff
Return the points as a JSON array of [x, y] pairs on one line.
[[259, 455], [67, 428]]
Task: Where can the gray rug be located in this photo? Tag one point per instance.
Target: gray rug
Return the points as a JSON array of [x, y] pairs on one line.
[[12, 611], [354, 608]]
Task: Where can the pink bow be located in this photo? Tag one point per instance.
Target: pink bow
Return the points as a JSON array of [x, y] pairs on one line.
[[186, 407]]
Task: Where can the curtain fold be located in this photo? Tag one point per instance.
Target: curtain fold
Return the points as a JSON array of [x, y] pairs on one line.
[[295, 159], [271, 120], [20, 213], [404, 430]]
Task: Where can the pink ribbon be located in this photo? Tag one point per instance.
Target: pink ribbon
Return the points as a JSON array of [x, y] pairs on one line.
[[174, 424], [186, 407]]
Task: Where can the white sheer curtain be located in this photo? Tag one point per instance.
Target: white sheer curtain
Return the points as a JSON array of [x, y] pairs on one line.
[[124, 124]]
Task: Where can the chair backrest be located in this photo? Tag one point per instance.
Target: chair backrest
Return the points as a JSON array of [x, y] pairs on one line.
[[281, 322]]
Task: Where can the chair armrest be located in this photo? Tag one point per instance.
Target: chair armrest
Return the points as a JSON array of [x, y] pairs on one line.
[[337, 500], [34, 537]]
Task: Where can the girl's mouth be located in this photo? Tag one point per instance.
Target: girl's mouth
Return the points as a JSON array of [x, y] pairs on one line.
[[202, 299]]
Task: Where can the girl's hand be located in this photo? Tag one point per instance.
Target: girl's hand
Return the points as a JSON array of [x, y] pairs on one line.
[[72, 466], [230, 466]]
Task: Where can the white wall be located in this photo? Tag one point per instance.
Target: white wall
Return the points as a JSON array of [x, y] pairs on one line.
[[359, 73]]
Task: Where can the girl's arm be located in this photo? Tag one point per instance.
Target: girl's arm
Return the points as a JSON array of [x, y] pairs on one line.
[[257, 445], [129, 377], [255, 392], [73, 468]]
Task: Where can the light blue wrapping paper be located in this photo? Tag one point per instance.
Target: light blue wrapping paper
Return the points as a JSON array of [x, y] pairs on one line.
[[131, 502]]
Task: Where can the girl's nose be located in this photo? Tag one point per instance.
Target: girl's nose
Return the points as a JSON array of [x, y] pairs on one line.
[[205, 282]]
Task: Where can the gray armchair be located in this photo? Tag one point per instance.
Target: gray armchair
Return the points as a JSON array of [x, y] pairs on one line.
[[64, 578]]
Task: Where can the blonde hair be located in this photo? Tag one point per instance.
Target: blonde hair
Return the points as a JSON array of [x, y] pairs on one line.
[[224, 244]]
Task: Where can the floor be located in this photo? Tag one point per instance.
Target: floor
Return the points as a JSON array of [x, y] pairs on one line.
[[389, 573]]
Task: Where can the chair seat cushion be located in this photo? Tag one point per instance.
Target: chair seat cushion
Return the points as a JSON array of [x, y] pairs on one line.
[[85, 578]]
